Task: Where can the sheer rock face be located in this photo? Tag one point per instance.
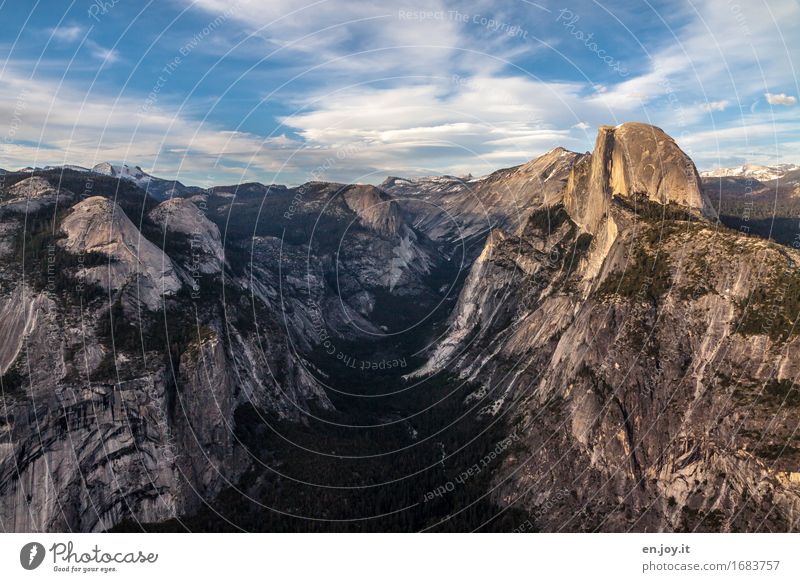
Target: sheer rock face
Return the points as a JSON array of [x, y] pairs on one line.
[[180, 215], [93, 432], [613, 341], [19, 312], [462, 210], [374, 208], [82, 451], [79, 455], [69, 465], [98, 225], [587, 201], [402, 259], [632, 161], [639, 159], [82, 456]]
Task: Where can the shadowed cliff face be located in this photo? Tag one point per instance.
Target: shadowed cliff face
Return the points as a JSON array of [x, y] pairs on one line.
[[216, 355]]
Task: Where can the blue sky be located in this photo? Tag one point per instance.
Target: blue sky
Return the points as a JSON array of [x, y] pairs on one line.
[[218, 91]]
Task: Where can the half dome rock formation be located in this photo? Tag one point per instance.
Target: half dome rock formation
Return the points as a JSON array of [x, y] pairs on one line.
[[180, 215], [642, 160], [572, 229], [98, 225], [636, 162]]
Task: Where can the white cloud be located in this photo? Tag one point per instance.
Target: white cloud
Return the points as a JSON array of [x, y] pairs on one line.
[[60, 124], [422, 92], [406, 96], [726, 49], [764, 138], [74, 33], [367, 132], [108, 56], [780, 99], [418, 119], [69, 33], [482, 122], [721, 105], [476, 124], [356, 36]]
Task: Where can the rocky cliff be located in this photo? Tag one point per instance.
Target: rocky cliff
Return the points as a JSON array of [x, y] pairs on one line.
[[97, 225], [183, 217], [120, 380], [644, 352], [462, 211]]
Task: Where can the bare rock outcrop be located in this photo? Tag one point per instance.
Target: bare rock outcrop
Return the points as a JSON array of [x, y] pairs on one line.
[[98, 225], [32, 194], [375, 209], [182, 216], [637, 159], [463, 210]]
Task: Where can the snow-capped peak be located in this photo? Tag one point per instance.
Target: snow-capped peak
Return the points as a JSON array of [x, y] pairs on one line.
[[135, 174], [755, 171]]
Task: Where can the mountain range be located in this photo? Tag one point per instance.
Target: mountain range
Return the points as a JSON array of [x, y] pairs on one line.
[[599, 341]]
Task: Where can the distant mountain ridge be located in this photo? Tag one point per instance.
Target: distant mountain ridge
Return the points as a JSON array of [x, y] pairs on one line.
[[759, 172], [437, 184], [158, 188]]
